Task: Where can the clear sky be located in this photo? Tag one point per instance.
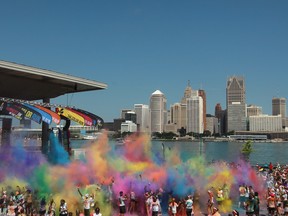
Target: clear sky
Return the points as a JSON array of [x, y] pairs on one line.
[[139, 46]]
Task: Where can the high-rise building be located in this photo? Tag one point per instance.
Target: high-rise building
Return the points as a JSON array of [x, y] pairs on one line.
[[187, 93], [131, 116], [253, 110], [279, 108], [236, 104], [265, 123], [175, 114], [123, 112], [128, 126], [202, 94], [195, 115], [158, 111], [221, 116], [143, 117], [212, 124]]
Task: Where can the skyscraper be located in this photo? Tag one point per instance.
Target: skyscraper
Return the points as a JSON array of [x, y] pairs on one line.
[[202, 94], [253, 110], [221, 116], [279, 108], [195, 115], [187, 93], [236, 104], [143, 117], [158, 111]]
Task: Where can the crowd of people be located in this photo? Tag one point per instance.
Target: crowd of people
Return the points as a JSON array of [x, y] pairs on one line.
[[25, 201]]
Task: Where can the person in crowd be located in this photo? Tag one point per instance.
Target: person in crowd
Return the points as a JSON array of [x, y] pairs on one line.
[[215, 212], [42, 207], [11, 209], [132, 205], [148, 202], [279, 210], [63, 209], [97, 212], [155, 206], [4, 202], [220, 196], [28, 201], [189, 205], [121, 202], [51, 208], [235, 213], [173, 205], [286, 209], [210, 203], [249, 205], [87, 202], [271, 204], [242, 198], [256, 204]]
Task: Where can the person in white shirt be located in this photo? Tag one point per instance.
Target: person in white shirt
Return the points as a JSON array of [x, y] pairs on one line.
[[155, 206], [97, 212], [122, 207], [87, 202], [189, 205], [173, 205]]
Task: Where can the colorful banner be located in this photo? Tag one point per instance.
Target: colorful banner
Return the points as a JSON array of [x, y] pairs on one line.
[[29, 113], [46, 117], [55, 117], [7, 109], [70, 115], [97, 121], [87, 119]]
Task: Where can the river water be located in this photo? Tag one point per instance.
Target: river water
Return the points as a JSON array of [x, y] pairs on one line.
[[263, 152]]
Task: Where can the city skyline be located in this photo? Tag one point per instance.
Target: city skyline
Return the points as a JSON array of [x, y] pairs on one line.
[[137, 48]]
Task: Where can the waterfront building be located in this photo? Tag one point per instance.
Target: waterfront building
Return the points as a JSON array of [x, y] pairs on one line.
[[123, 113], [187, 93], [143, 117], [202, 94], [176, 115], [212, 124], [269, 123], [195, 115], [236, 104], [221, 116], [253, 110], [131, 116], [279, 108], [236, 114], [158, 111], [128, 126]]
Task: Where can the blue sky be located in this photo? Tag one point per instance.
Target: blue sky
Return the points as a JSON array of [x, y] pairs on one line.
[[137, 47]]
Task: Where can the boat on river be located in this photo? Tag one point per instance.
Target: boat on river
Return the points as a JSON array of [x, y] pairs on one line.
[[89, 137]]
